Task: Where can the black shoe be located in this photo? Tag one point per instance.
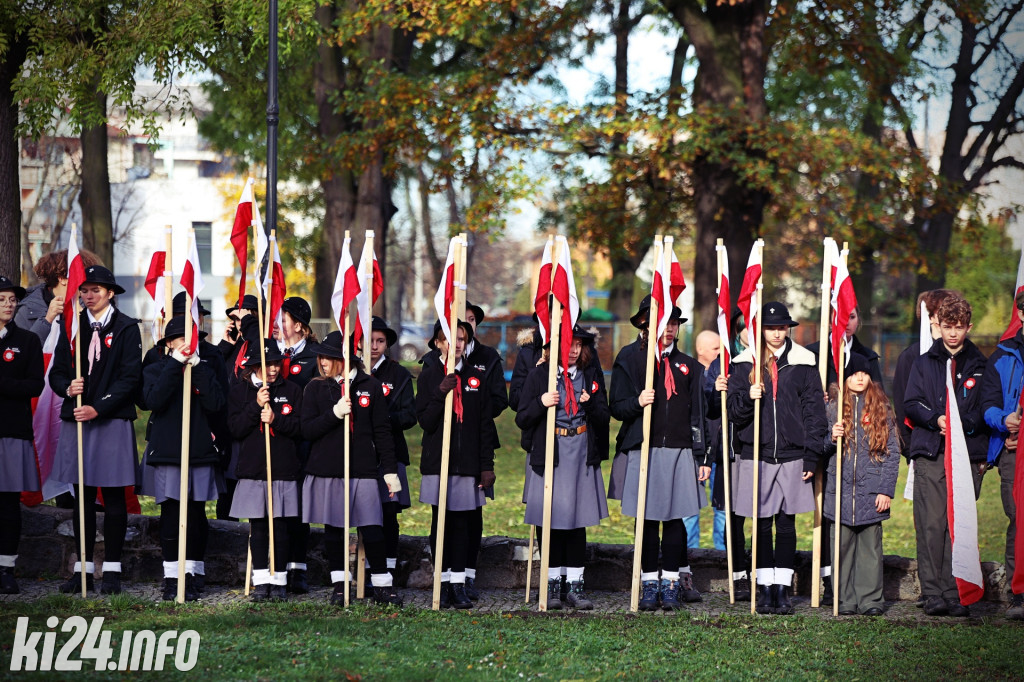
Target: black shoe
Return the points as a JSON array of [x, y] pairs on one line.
[[765, 599], [921, 601], [955, 609], [110, 583], [687, 591], [459, 598], [191, 593], [827, 595], [1016, 609], [199, 583], [471, 591], [74, 584], [446, 595], [170, 589], [555, 594], [874, 611], [847, 612], [8, 585], [670, 595], [386, 596], [297, 581], [338, 596], [650, 595], [278, 593], [935, 606], [260, 593], [783, 604], [741, 589], [576, 598]]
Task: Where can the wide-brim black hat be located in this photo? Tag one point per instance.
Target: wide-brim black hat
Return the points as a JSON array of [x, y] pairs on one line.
[[584, 335], [775, 314], [380, 325], [178, 306], [639, 318], [273, 354], [97, 274], [248, 303], [175, 329], [298, 308], [437, 330], [855, 362], [477, 311], [8, 285], [332, 346]]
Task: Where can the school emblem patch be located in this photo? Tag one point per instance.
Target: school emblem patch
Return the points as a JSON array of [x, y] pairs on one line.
[[969, 383], [473, 382], [8, 355], [683, 368], [108, 340], [286, 409], [593, 387], [386, 388], [296, 369], [364, 401]]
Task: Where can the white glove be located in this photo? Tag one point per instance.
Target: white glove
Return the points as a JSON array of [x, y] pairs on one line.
[[194, 359], [179, 356], [342, 407], [393, 482]]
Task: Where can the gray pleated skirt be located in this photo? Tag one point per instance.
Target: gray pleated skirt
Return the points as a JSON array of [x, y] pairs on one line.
[[672, 488], [617, 479], [402, 498], [323, 501], [463, 494], [250, 499], [577, 497], [780, 489], [163, 482], [109, 453], [18, 466]]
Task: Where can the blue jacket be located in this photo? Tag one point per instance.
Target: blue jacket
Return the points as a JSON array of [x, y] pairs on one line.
[[1001, 389]]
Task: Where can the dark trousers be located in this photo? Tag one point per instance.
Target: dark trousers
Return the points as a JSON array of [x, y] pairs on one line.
[[740, 560], [860, 567], [1007, 461], [10, 523], [934, 548]]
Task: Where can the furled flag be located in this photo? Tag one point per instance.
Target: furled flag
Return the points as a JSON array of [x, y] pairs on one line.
[[364, 300], [274, 288], [961, 508], [540, 301], [445, 296], [76, 277], [1014, 326], [747, 297], [563, 288], [1017, 579], [155, 287], [668, 284], [724, 307], [843, 303], [192, 282], [925, 331], [346, 286], [46, 428], [240, 234]]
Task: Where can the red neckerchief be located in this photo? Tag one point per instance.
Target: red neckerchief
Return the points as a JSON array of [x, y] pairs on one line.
[[287, 362], [773, 365], [457, 398], [240, 357], [571, 406], [670, 379]]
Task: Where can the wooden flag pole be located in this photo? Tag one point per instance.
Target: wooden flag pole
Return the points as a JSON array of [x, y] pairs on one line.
[[446, 439], [529, 564], [758, 371], [726, 455], [653, 350], [554, 333], [819, 475], [81, 450], [346, 334], [186, 430], [837, 522], [263, 370], [168, 278], [367, 284]]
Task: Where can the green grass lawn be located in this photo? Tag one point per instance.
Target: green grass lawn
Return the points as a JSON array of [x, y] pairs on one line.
[[312, 640], [504, 515]]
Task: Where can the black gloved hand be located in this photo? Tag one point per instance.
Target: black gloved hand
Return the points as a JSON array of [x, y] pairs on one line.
[[447, 384], [487, 479]]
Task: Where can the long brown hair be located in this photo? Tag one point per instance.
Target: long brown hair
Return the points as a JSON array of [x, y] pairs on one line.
[[767, 357], [876, 418]]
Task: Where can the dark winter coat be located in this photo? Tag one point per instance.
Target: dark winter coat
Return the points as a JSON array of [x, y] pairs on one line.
[[530, 350], [793, 424], [900, 377], [31, 312], [863, 478], [1000, 390], [532, 417], [925, 400], [21, 380], [285, 432], [396, 382], [873, 358], [472, 439], [371, 445], [621, 360], [162, 386]]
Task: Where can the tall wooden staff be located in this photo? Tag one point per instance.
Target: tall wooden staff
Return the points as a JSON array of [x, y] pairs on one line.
[[555, 328], [168, 311], [186, 430], [264, 333], [653, 343], [366, 281], [345, 335], [837, 524], [726, 461], [78, 425], [446, 434], [819, 476], [759, 246]]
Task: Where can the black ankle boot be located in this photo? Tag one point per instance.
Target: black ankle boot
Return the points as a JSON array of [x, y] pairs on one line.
[[765, 599], [297, 581], [387, 596], [471, 591], [446, 595], [783, 604], [170, 589], [74, 584], [111, 582], [260, 593], [827, 595], [8, 585], [459, 598], [741, 589], [554, 594], [338, 596]]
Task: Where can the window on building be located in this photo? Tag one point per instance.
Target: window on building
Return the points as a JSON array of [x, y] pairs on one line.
[[204, 244]]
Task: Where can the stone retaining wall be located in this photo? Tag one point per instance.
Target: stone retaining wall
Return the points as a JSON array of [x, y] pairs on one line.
[[48, 549]]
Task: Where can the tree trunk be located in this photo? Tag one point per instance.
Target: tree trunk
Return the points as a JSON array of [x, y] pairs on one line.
[[97, 214], [10, 190]]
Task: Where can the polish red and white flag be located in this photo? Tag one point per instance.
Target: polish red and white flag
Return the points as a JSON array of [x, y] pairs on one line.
[[748, 292], [192, 282], [155, 286], [724, 307], [346, 287], [76, 277], [444, 298], [370, 291], [844, 301], [240, 234]]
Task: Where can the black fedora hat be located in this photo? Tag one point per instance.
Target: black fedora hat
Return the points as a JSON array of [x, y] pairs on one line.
[[855, 362], [175, 329], [332, 346], [178, 307], [639, 318], [584, 335], [298, 308], [379, 325], [466, 326], [273, 354], [775, 314], [97, 274], [8, 285], [248, 303], [478, 312]]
